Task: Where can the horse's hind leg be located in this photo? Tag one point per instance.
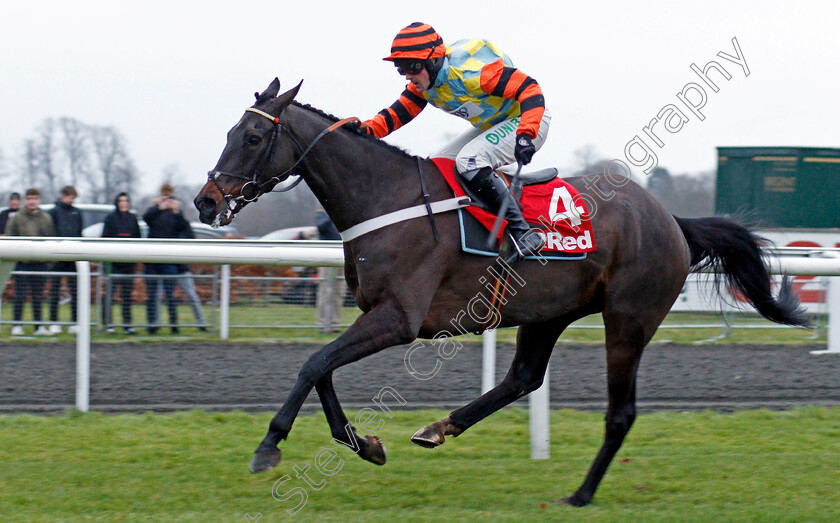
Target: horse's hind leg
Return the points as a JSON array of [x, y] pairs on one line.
[[626, 339], [534, 344], [369, 448]]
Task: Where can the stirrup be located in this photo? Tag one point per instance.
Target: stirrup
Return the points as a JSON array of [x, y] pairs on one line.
[[519, 250]]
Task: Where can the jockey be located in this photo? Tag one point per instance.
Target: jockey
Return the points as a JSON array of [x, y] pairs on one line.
[[475, 80]]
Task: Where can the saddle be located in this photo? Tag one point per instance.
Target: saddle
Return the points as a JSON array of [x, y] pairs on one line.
[[531, 178], [550, 205]]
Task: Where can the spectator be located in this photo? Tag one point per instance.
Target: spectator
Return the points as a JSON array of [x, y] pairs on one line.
[[7, 214], [331, 286], [31, 221], [121, 224], [165, 221], [187, 284], [68, 224]]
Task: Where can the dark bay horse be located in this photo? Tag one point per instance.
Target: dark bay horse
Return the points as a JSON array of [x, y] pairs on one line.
[[411, 286]]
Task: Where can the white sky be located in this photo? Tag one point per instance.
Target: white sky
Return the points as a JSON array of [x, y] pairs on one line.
[[174, 76]]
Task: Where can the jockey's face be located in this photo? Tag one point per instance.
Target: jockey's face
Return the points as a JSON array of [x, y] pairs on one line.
[[420, 80]]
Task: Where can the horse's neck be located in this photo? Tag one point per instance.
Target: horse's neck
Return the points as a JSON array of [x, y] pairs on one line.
[[355, 179]]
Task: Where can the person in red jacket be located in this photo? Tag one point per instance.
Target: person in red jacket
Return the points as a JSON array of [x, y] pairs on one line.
[[474, 80]]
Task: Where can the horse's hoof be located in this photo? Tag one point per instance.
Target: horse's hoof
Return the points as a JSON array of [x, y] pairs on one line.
[[573, 501], [428, 437], [375, 451], [265, 460]]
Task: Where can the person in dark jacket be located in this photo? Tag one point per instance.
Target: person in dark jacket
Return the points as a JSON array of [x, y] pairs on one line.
[[121, 223], [186, 282], [165, 221], [7, 214], [68, 224]]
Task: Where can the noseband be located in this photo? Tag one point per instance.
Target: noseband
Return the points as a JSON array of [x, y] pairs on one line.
[[252, 183]]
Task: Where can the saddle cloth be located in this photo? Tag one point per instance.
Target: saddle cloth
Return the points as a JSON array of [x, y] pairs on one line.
[[553, 209]]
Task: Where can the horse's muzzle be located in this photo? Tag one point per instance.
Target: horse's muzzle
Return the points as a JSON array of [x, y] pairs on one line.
[[206, 209]]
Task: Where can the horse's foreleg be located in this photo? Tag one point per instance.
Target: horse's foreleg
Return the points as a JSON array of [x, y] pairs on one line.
[[623, 358], [369, 447], [534, 344], [381, 327]]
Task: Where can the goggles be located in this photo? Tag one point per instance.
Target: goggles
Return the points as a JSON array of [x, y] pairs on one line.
[[410, 67]]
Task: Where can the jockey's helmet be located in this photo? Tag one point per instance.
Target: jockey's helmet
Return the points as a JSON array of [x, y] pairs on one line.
[[418, 41], [416, 46]]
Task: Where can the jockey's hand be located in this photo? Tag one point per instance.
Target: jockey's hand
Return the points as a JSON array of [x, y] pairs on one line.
[[358, 127], [524, 150]]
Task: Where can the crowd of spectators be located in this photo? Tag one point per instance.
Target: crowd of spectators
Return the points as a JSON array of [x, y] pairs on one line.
[[164, 219]]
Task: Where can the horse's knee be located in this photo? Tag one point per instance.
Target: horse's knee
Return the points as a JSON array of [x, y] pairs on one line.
[[313, 370], [619, 422], [525, 381], [534, 383], [525, 387]]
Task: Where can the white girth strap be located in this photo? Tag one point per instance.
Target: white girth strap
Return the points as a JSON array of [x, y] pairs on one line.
[[402, 215]]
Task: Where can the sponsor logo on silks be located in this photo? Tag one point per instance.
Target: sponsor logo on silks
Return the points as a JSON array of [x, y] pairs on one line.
[[467, 111], [554, 241], [507, 129]]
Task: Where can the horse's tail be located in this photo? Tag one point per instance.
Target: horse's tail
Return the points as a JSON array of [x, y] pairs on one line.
[[734, 254]]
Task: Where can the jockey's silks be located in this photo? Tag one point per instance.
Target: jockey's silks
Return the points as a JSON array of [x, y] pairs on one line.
[[477, 82]]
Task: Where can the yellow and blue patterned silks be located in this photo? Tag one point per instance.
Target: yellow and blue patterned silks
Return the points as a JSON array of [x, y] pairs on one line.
[[477, 82], [457, 87]]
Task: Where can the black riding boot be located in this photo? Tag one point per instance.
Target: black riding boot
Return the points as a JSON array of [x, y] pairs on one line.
[[492, 191]]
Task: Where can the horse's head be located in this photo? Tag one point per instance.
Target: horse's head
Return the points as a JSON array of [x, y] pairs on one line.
[[254, 160]]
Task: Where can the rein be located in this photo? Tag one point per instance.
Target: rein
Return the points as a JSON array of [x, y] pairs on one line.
[[252, 183]]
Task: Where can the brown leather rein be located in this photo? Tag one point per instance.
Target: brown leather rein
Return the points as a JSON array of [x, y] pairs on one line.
[[252, 189]]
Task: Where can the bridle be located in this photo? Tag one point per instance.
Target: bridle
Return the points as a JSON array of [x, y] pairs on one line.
[[252, 184]]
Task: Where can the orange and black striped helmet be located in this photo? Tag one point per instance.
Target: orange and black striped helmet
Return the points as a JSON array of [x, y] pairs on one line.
[[417, 41]]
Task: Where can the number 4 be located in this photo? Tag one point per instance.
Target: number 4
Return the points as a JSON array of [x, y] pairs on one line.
[[570, 213]]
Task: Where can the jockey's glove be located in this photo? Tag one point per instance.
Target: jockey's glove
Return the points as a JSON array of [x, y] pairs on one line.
[[358, 127], [524, 150]]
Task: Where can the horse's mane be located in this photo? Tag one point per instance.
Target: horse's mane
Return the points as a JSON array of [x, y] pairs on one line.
[[370, 138]]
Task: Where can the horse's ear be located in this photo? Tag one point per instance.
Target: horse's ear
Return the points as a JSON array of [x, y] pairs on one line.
[[286, 98], [269, 93]]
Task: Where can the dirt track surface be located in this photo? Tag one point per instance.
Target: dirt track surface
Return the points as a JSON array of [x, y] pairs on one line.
[[171, 376]]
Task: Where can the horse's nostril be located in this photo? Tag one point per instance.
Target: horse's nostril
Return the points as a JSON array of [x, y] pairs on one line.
[[205, 205]]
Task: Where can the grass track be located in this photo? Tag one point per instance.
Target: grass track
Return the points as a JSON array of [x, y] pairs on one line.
[[296, 315], [192, 466]]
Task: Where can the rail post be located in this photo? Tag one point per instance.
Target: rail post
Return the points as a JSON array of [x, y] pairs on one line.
[[224, 303], [83, 336], [538, 414], [488, 360], [833, 307]]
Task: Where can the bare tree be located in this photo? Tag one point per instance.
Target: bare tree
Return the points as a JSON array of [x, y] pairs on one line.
[[686, 195], [29, 166], [45, 150], [115, 170], [68, 151], [694, 195], [76, 147]]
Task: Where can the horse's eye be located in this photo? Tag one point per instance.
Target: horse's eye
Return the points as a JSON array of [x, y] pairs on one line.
[[253, 139]]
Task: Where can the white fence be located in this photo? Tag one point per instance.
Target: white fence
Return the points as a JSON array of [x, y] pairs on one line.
[[807, 262]]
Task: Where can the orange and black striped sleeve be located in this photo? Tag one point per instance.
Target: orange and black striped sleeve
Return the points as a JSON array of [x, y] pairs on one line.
[[511, 83], [388, 120]]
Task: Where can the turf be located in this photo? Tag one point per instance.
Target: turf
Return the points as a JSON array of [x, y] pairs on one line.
[[192, 466]]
